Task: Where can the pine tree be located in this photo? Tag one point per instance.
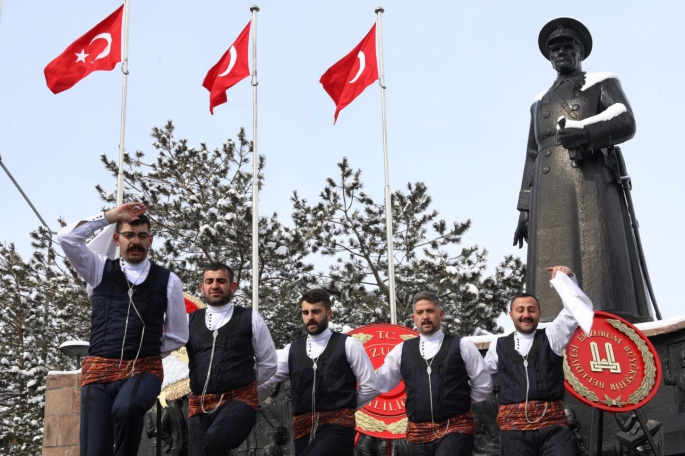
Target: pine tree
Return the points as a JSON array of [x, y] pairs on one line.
[[347, 225], [200, 204], [42, 305]]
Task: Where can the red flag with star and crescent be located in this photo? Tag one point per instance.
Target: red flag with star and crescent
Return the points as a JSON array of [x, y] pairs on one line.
[[230, 69], [348, 78], [98, 49]]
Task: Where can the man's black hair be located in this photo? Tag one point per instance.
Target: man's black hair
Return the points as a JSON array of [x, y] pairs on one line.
[[316, 295], [217, 266], [143, 220], [524, 295]]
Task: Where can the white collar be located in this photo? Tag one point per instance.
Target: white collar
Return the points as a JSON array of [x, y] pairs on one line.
[[325, 334], [437, 335], [530, 336], [134, 266], [219, 309]]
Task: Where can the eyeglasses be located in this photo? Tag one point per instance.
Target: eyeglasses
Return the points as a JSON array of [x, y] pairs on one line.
[[143, 236]]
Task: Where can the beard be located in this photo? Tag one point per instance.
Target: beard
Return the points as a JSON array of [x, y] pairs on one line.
[[532, 329], [320, 327], [219, 300]]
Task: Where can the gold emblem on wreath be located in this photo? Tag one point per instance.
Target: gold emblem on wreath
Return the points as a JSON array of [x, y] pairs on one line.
[[371, 424], [363, 338], [407, 336], [647, 382]]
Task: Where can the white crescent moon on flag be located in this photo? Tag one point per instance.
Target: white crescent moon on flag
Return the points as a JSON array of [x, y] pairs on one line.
[[234, 56], [103, 36], [362, 64]]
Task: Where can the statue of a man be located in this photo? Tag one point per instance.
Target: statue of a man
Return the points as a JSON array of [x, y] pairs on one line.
[[572, 209]]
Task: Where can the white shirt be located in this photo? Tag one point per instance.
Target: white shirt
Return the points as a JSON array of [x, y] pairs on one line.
[[356, 356], [559, 332], [262, 344], [481, 384], [90, 265]]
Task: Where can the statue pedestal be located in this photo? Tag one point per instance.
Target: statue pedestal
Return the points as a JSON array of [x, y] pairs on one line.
[[674, 436], [62, 414]]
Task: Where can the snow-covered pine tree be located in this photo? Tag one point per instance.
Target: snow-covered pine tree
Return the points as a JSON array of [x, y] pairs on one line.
[[42, 304], [349, 226], [200, 203]]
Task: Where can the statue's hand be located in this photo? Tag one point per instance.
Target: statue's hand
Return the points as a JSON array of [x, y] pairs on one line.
[[572, 138], [522, 229]]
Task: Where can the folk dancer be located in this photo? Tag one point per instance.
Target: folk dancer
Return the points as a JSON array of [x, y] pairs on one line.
[[442, 374], [231, 352], [324, 369], [138, 317], [529, 363]]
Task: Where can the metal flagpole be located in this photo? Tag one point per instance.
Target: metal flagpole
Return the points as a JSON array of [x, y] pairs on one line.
[[122, 130], [388, 205], [255, 168]]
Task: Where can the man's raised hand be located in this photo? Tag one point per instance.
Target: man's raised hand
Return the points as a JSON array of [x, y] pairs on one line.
[[127, 212]]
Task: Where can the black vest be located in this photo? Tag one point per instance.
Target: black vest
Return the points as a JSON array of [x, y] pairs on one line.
[[233, 363], [545, 371], [110, 306], [449, 381], [336, 384]]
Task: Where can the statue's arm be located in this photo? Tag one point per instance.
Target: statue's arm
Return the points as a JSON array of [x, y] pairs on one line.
[[617, 129], [523, 205]]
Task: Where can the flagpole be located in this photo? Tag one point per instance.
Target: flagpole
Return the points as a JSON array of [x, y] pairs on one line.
[[122, 128], [388, 202], [255, 168]]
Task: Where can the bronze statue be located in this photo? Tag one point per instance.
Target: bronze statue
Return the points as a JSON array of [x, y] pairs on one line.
[[572, 208]]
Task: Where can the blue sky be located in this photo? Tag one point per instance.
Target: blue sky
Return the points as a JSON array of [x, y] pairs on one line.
[[460, 75]]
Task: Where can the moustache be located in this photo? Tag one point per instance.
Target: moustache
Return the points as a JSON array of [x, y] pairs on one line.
[[135, 249], [526, 320]]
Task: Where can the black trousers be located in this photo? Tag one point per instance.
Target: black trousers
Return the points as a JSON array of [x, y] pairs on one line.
[[551, 441], [454, 444], [217, 433], [330, 440], [112, 415]]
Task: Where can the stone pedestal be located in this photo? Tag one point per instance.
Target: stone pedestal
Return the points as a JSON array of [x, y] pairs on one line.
[[62, 413]]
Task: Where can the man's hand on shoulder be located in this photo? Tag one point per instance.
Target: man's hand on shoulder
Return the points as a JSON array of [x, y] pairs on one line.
[[562, 269], [127, 212]]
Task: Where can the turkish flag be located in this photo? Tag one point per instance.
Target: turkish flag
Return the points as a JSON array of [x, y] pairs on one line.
[[98, 49], [348, 78], [229, 70]]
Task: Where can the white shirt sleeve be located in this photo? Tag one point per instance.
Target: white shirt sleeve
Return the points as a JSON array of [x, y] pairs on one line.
[[176, 322], [491, 359], [266, 359], [388, 374], [282, 371], [73, 238], [576, 305], [479, 377], [363, 370]]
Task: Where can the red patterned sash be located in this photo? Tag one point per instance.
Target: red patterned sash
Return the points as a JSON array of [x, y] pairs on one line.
[[464, 423], [107, 370], [512, 417], [302, 424], [247, 394]]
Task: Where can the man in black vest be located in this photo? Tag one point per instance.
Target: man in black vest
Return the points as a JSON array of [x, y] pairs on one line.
[[442, 374], [529, 364], [138, 316], [325, 368], [231, 352]]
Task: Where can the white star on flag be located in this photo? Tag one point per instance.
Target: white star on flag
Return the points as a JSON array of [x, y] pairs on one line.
[[81, 57]]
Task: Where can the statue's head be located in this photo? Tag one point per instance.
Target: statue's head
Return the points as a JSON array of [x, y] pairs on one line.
[[280, 435], [565, 42]]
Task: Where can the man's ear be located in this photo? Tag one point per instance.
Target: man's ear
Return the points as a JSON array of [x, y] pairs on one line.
[[151, 238], [116, 239], [330, 313]]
